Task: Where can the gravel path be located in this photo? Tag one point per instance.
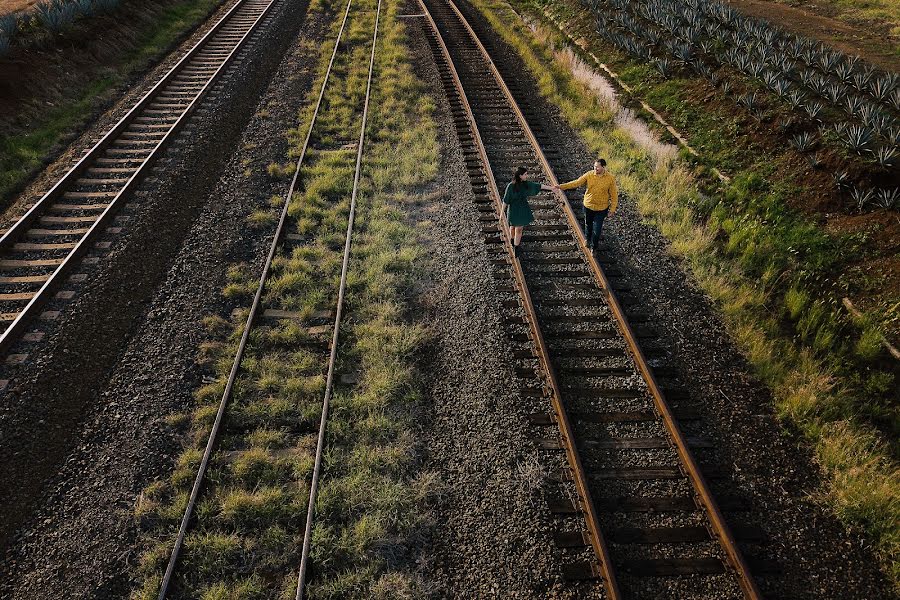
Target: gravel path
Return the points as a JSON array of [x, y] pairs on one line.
[[107, 410]]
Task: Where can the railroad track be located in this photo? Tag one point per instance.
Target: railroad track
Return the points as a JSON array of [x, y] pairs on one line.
[[634, 509], [40, 249], [264, 312]]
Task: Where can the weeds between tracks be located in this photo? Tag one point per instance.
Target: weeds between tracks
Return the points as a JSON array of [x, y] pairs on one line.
[[246, 541], [814, 374]]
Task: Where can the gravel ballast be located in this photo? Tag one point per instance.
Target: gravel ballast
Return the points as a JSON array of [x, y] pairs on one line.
[[493, 537], [89, 409]]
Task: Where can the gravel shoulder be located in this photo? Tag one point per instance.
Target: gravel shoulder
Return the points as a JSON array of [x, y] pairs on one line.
[[95, 422]]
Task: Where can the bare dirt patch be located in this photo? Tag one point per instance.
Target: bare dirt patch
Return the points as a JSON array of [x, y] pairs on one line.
[[873, 44], [11, 6]]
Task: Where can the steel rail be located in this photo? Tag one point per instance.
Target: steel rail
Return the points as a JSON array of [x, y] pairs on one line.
[[20, 227], [332, 360], [598, 542], [248, 325], [720, 527]]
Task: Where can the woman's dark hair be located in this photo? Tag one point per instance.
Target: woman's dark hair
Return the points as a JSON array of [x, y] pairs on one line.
[[602, 161], [517, 178]]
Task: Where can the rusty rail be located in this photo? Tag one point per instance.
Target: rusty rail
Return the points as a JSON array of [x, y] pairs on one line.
[[19, 229], [329, 381], [248, 325], [565, 427]]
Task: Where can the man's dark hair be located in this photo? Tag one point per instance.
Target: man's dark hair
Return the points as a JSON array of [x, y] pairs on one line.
[[602, 161]]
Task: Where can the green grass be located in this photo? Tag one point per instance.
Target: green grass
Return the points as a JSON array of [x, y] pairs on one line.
[[25, 149], [762, 264], [250, 518]]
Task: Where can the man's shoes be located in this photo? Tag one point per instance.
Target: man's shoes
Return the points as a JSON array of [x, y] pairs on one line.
[[518, 251]]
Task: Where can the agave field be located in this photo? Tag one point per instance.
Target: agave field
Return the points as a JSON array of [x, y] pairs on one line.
[[48, 18], [840, 114]]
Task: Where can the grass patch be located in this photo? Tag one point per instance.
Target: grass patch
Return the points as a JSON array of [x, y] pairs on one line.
[[761, 263], [248, 533]]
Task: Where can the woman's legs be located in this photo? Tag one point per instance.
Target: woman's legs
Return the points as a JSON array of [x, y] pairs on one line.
[[517, 235]]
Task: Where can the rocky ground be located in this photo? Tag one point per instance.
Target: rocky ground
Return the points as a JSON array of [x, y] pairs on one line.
[[84, 432]]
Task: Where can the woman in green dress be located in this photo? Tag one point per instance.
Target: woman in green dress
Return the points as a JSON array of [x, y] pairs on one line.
[[518, 213]]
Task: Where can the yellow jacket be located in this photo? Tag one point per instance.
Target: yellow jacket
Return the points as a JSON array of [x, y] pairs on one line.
[[601, 193]]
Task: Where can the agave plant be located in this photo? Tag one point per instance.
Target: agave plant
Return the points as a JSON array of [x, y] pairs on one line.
[[861, 79], [795, 99], [880, 122], [861, 197], [807, 77], [9, 25], [56, 19], [726, 87], [885, 156], [841, 179], [795, 49], [782, 87], [844, 72], [836, 93], [868, 112], [691, 35], [858, 138], [803, 142], [756, 68], [881, 87], [814, 159], [887, 198], [814, 109], [749, 101], [820, 85], [894, 99], [892, 135], [683, 53], [853, 105], [827, 61], [784, 125], [785, 66], [664, 66], [810, 55]]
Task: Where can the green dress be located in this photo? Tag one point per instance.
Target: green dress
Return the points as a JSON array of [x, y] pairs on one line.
[[518, 213]]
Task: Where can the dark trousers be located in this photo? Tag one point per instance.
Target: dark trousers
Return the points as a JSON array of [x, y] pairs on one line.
[[593, 225]]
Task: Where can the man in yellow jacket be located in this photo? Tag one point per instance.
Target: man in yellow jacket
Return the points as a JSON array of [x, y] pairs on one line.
[[600, 199]]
